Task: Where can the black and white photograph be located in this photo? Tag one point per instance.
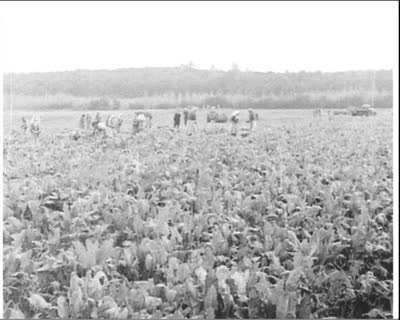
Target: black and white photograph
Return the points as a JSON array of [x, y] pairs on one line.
[[199, 159]]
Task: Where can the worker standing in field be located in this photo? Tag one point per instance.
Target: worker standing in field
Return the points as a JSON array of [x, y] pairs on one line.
[[94, 125], [177, 119], [142, 119], [234, 123], [88, 121], [192, 121], [35, 127], [135, 124], [82, 122], [185, 115], [252, 119], [24, 125]]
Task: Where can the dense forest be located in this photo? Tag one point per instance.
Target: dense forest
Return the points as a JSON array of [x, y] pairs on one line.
[[232, 88]]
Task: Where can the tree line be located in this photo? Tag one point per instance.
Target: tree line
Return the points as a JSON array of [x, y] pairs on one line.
[[265, 89]]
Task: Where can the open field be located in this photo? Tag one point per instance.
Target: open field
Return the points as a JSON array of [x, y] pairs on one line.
[[293, 221], [53, 121]]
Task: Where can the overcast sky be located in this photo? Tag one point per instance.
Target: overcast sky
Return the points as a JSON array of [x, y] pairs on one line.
[[259, 36]]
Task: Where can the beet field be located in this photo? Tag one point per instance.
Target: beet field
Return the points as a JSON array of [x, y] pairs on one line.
[[291, 221]]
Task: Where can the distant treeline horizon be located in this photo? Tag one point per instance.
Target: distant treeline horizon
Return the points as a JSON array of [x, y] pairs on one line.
[[137, 88]]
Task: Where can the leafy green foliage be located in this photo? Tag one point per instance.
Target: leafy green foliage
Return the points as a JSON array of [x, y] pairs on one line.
[[289, 222]]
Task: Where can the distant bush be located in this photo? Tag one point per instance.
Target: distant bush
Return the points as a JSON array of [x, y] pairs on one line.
[[116, 104], [135, 106], [189, 83], [224, 102], [329, 99], [100, 104], [178, 87], [57, 106]]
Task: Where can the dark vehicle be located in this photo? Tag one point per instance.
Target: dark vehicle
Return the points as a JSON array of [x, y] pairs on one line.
[[364, 110]]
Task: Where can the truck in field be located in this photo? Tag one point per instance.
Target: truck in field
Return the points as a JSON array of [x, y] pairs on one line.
[[364, 110]]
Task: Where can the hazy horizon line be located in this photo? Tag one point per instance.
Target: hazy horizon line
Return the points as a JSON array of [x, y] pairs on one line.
[[192, 68]]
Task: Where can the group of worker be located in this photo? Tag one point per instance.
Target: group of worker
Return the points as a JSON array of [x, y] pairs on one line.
[[234, 120], [141, 120], [33, 125], [190, 120], [113, 124]]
